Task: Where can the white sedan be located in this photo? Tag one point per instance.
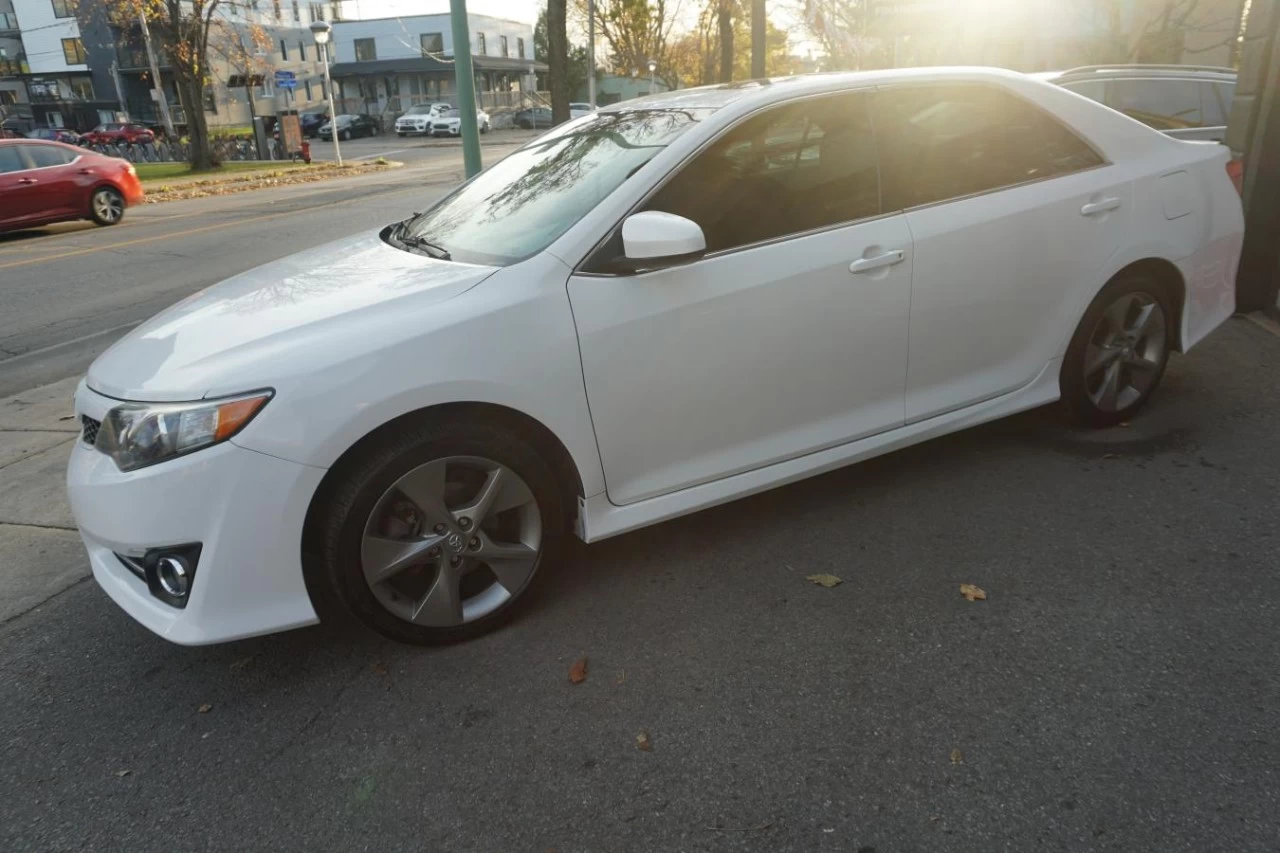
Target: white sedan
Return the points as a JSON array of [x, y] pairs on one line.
[[656, 308]]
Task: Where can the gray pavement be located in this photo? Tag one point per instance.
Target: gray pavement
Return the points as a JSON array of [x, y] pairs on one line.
[[1116, 692]]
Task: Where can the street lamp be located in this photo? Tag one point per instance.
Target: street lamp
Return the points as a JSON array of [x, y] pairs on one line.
[[653, 66], [320, 29]]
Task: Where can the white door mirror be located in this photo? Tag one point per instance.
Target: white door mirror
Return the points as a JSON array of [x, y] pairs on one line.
[[655, 236]]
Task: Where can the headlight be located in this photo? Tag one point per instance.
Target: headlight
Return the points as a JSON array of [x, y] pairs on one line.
[[135, 435]]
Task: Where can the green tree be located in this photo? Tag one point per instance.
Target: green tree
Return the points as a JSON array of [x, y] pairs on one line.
[[576, 69]]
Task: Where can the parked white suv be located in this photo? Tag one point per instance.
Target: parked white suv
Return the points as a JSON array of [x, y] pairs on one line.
[[653, 309], [418, 118], [449, 123]]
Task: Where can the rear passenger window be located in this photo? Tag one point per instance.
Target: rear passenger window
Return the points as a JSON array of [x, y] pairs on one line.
[[1215, 106], [10, 160], [47, 155], [946, 142], [1094, 90], [1162, 104], [794, 168]]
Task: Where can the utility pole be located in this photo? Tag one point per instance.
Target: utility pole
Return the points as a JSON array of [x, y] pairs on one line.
[[757, 39], [466, 84], [156, 83], [591, 53]]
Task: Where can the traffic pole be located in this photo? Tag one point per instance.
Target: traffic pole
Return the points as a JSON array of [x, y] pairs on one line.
[[466, 85]]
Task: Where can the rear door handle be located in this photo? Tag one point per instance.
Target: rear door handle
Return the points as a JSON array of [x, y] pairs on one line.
[[888, 259], [27, 181], [87, 172], [1100, 206]]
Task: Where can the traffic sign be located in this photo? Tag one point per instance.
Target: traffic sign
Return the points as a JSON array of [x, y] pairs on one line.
[[286, 80]]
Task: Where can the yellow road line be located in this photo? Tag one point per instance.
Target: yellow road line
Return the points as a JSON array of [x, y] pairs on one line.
[[170, 234]]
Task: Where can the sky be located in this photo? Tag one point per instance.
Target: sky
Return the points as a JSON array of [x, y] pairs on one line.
[[515, 10]]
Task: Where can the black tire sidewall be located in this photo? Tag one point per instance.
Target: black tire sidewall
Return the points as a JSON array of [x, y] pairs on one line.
[[368, 481], [1075, 395]]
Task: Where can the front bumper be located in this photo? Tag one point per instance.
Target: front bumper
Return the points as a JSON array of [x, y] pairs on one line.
[[413, 130], [246, 509]]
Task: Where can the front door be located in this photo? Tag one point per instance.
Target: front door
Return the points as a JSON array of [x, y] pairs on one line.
[[1012, 216], [787, 337]]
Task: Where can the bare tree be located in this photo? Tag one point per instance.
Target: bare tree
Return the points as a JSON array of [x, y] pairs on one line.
[[724, 21], [636, 31]]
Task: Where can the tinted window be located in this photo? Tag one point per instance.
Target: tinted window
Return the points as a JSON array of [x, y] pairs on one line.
[[798, 167], [1215, 107], [9, 159], [1162, 104], [946, 142], [47, 155], [1092, 89]]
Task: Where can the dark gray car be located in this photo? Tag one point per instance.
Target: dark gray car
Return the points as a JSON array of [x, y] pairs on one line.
[[1186, 101]]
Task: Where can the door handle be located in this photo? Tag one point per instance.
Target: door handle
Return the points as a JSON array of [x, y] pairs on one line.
[[1100, 206], [888, 259], [87, 172], [27, 181]]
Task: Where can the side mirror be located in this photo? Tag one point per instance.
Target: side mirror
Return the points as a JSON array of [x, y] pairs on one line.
[[654, 239]]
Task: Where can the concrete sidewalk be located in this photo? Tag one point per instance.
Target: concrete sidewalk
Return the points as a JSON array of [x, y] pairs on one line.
[[40, 551]]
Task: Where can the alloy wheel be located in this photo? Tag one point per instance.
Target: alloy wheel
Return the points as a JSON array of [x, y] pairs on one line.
[[1126, 352], [108, 206], [451, 541]]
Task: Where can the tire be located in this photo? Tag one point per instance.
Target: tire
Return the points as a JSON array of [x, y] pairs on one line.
[[106, 206], [365, 499], [484, 128], [399, 134], [345, 136], [1119, 352]]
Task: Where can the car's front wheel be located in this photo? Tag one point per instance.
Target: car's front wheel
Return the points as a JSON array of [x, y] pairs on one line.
[[1119, 352], [106, 206], [437, 532]]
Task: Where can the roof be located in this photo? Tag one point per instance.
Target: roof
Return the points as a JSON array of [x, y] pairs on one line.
[[779, 88], [411, 64]]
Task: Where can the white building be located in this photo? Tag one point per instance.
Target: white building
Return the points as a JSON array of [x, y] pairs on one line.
[[385, 65]]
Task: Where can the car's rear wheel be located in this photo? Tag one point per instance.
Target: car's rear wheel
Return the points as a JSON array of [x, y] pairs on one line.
[[346, 135], [438, 532], [106, 206], [1119, 352]]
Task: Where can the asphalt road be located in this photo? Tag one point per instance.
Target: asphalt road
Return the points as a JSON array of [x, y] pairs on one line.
[[68, 291], [1116, 692]]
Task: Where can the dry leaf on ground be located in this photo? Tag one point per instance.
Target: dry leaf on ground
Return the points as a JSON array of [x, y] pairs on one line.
[[123, 773], [957, 757], [238, 665], [205, 708], [578, 672], [1111, 456], [973, 593], [825, 580], [380, 668], [643, 742]]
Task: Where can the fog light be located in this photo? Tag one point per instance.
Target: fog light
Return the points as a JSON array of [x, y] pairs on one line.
[[173, 576]]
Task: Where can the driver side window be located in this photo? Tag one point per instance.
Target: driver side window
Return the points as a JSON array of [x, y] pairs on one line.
[[791, 169]]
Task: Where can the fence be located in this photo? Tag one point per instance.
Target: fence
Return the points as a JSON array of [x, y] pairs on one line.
[[224, 150]]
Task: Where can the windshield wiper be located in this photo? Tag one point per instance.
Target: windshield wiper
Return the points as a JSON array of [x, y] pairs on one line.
[[422, 244]]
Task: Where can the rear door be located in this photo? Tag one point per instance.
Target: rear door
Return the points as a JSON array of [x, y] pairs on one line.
[[54, 168], [1012, 215], [20, 197]]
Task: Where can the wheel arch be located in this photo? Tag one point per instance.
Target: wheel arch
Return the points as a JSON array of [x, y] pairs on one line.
[[1165, 273], [544, 441]]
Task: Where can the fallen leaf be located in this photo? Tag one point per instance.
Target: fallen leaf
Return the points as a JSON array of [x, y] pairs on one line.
[[1111, 456], [123, 773], [957, 757], [935, 818], [238, 665], [578, 672], [380, 668], [66, 417], [205, 708], [643, 742], [1124, 423], [973, 593], [825, 580], [622, 677]]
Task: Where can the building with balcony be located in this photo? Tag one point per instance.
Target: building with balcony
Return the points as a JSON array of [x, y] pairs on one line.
[[383, 66], [13, 64]]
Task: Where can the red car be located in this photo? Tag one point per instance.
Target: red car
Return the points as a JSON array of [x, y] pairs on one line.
[[43, 182], [120, 133]]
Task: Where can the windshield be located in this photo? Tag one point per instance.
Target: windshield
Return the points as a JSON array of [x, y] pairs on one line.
[[518, 206], [420, 109]]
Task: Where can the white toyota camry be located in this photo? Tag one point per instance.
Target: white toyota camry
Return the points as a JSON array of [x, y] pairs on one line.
[[652, 309]]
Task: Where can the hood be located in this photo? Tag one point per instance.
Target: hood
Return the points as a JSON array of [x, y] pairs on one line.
[[234, 336]]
